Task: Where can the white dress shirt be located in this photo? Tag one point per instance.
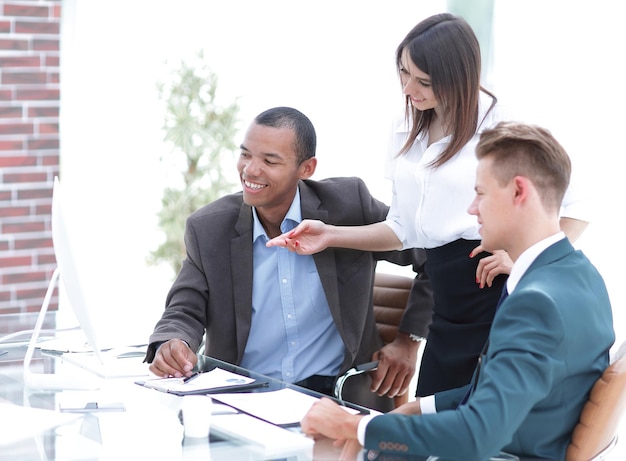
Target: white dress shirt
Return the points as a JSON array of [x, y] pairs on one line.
[[429, 205]]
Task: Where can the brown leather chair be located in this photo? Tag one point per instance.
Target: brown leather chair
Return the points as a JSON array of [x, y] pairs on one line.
[[595, 435], [391, 293]]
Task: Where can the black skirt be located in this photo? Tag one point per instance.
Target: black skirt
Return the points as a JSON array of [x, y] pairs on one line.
[[462, 317]]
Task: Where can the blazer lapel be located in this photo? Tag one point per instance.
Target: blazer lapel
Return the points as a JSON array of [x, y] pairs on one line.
[[241, 272], [557, 250], [312, 208]]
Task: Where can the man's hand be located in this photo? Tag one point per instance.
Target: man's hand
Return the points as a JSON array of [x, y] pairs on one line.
[[173, 358], [396, 366], [491, 266], [326, 418]]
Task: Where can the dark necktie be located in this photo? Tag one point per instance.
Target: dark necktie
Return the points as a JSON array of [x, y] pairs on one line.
[[503, 296]]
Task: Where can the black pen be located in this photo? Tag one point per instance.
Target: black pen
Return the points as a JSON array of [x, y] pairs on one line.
[[189, 378]]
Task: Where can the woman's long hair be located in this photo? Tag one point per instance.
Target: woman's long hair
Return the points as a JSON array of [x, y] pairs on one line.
[[445, 47]]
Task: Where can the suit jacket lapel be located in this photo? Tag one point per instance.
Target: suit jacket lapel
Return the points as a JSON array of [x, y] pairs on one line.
[[557, 250], [241, 270], [312, 208]]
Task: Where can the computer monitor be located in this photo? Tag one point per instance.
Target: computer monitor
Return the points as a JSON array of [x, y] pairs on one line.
[[69, 275]]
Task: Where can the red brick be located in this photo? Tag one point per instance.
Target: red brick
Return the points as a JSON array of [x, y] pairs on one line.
[[46, 208], [5, 27], [32, 293], [15, 261], [34, 243], [32, 176], [52, 61], [22, 160], [24, 78], [16, 128], [19, 61], [14, 44], [37, 27], [11, 112], [25, 10], [51, 160], [45, 259], [41, 144], [30, 194], [46, 45], [5, 195], [43, 111], [4, 297], [48, 128], [54, 78], [38, 95], [25, 277], [6, 95], [24, 227], [14, 211]]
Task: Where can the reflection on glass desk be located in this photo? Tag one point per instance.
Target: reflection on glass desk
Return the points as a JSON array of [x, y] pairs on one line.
[[139, 423]]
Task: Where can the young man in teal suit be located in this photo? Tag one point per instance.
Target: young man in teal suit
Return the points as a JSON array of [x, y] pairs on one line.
[[549, 341]]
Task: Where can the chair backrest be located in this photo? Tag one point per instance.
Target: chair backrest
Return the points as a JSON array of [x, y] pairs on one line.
[[391, 293], [596, 430]]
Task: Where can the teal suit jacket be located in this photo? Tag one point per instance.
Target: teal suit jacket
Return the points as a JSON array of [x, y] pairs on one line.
[[548, 344]]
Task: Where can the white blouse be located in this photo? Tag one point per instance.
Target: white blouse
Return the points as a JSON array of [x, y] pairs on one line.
[[429, 205]]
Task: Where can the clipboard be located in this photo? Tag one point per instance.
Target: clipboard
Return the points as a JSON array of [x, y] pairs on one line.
[[209, 382]]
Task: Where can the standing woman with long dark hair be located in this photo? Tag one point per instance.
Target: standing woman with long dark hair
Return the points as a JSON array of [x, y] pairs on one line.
[[433, 171]]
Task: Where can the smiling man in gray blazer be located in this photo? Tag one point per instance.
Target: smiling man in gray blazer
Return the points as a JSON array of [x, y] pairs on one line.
[[301, 319]]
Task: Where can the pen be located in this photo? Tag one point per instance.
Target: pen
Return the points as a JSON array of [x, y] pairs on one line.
[[189, 378]]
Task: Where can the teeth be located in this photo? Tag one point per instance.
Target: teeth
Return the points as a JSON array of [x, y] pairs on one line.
[[253, 186]]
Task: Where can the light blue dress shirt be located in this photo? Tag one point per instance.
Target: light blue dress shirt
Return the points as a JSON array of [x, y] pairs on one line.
[[292, 335]]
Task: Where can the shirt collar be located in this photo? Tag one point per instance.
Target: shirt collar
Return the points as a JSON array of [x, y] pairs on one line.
[[291, 220], [527, 257]]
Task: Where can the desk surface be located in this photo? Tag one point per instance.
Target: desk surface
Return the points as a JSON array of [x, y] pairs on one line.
[[149, 428]]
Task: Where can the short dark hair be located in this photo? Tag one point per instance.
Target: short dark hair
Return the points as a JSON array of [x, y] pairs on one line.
[[288, 117], [520, 149]]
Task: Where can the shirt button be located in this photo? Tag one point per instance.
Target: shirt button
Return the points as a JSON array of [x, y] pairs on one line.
[[284, 280]]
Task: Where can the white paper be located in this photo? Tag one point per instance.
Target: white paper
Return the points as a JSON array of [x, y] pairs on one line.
[[282, 407], [206, 380]]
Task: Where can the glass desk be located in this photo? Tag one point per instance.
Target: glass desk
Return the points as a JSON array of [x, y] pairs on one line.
[[148, 428]]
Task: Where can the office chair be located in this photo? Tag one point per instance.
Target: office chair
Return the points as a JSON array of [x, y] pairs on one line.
[[595, 435], [391, 293]]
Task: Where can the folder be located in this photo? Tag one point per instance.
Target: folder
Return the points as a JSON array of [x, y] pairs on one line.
[[207, 382]]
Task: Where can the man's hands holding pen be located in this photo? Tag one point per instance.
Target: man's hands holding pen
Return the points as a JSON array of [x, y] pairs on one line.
[[174, 358]]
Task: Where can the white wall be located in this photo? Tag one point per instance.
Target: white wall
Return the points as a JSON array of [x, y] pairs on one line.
[[332, 60], [556, 62]]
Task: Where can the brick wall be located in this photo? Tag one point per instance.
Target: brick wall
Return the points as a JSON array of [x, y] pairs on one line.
[[29, 149]]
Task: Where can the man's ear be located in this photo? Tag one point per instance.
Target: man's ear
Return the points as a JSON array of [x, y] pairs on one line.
[[307, 168], [521, 189]]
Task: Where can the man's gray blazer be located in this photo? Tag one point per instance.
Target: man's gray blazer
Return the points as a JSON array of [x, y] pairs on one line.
[[213, 290]]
